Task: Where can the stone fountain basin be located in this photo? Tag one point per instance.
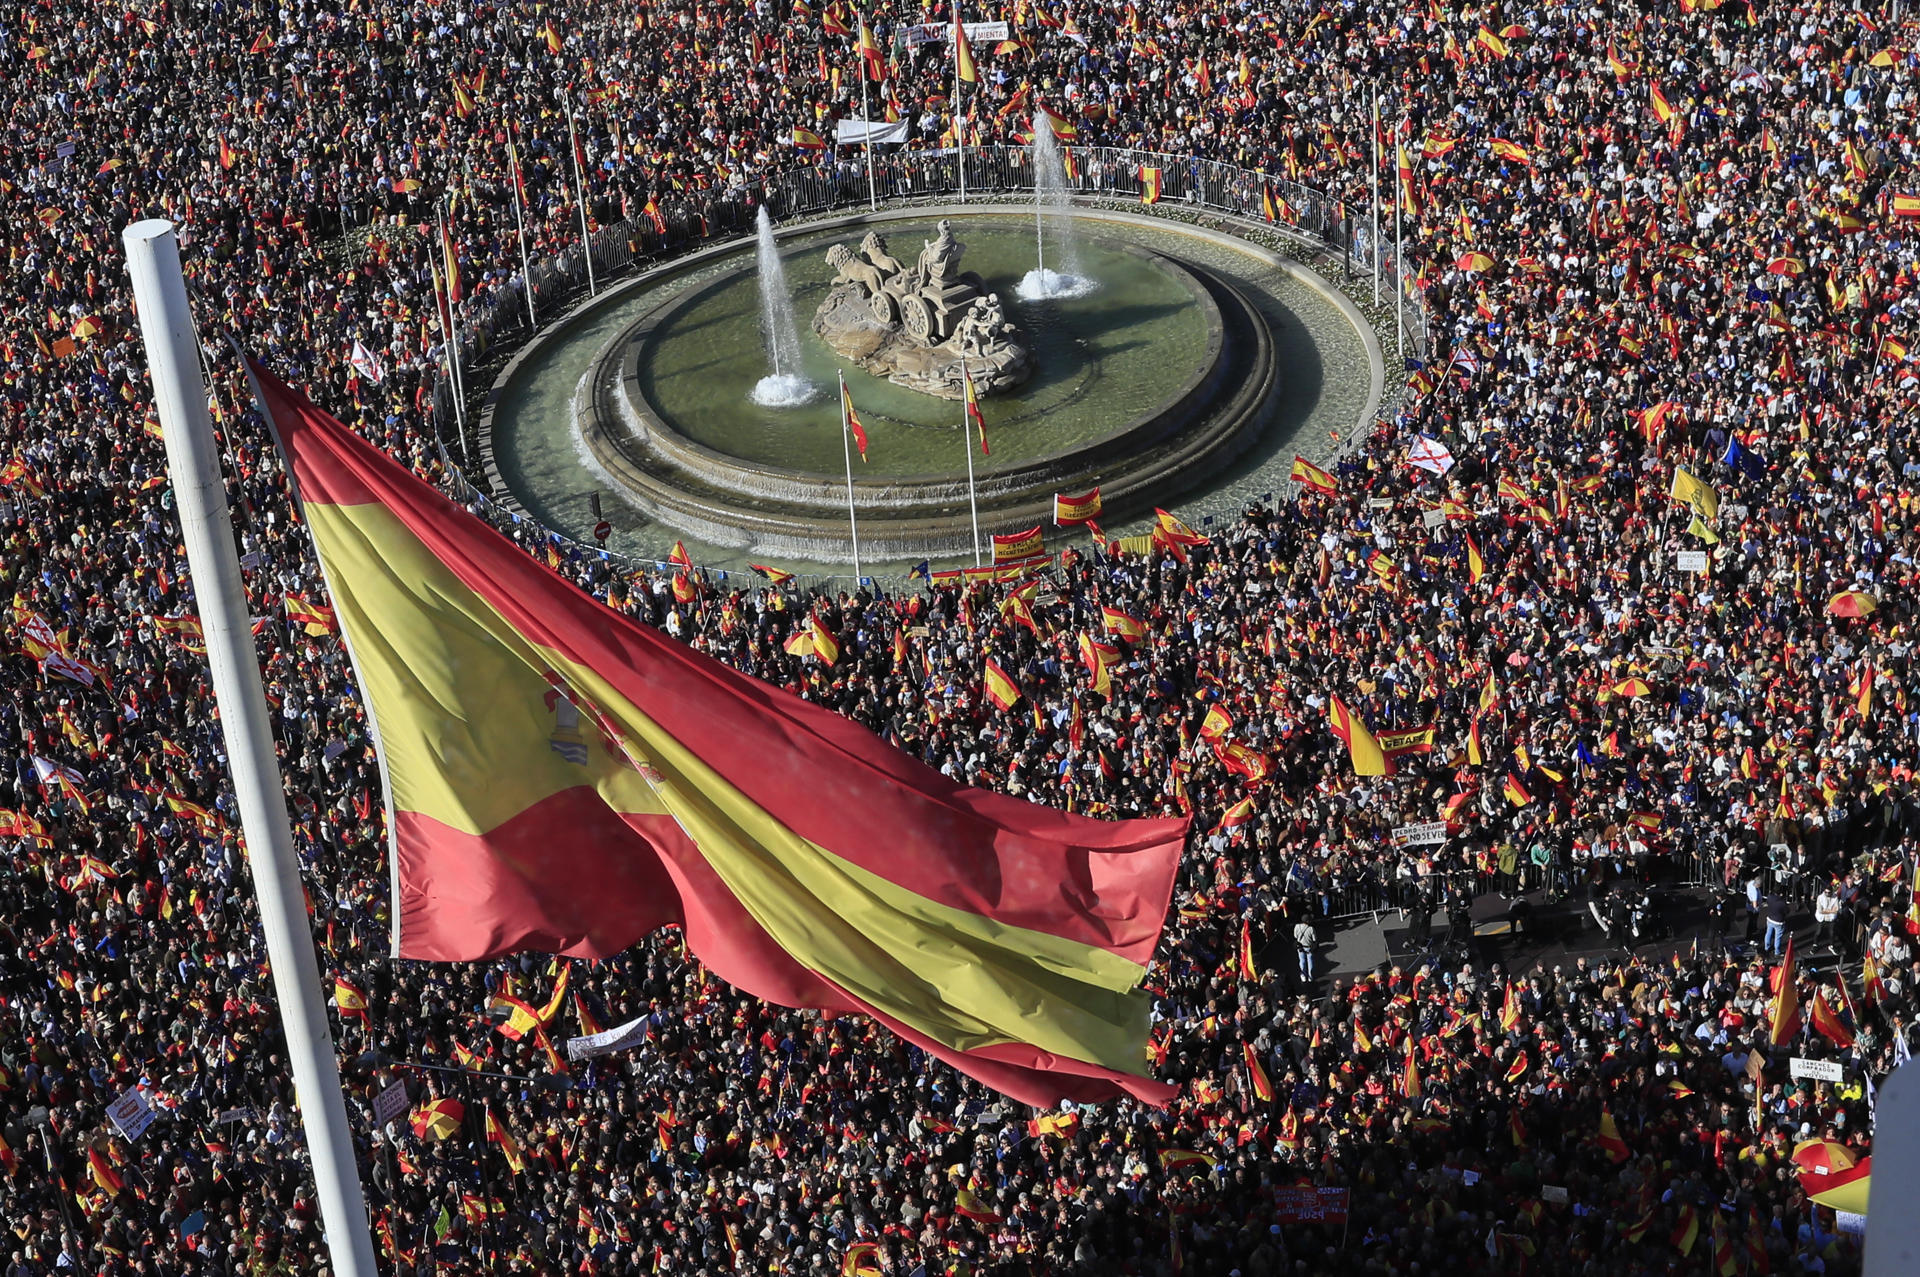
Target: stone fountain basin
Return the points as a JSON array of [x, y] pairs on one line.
[[1211, 411]]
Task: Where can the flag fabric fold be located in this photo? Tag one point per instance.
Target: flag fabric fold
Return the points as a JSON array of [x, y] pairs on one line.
[[562, 778]]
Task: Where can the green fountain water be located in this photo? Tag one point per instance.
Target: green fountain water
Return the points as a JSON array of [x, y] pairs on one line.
[[1099, 360]]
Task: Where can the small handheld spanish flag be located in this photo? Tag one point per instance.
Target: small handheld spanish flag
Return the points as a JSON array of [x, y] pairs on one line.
[[350, 998], [1313, 476], [808, 140], [1076, 510], [1149, 184], [1001, 689], [1257, 1076]]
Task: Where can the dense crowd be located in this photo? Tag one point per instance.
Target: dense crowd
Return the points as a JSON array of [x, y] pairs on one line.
[[1695, 257]]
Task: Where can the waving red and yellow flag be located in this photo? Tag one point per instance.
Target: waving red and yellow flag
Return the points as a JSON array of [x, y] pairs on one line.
[[564, 779]]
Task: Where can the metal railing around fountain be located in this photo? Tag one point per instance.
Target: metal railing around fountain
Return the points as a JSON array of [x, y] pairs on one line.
[[1318, 223]]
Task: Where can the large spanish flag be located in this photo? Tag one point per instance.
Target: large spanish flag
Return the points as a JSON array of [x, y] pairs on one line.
[[562, 778]]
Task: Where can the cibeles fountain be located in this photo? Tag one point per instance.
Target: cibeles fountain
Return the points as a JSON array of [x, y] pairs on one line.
[[1109, 348], [930, 327]]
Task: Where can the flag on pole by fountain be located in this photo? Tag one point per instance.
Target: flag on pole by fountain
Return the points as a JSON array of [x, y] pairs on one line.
[[1410, 202], [807, 862], [973, 408], [870, 53], [852, 419], [962, 51], [450, 260]]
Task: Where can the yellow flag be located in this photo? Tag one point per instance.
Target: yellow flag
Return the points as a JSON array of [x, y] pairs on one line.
[[1700, 529], [1362, 748], [1705, 502]]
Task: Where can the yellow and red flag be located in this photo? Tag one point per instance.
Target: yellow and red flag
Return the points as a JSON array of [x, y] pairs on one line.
[[1610, 1142], [1783, 1020], [1827, 1022], [564, 779], [1001, 689], [1123, 624], [1362, 748], [1149, 184], [1257, 1076], [1661, 109], [871, 56], [1237, 815], [439, 1119], [1313, 476], [101, 1167], [497, 1133], [314, 618], [1410, 202], [963, 52], [351, 999], [1015, 546], [972, 400], [1508, 150], [1068, 511], [852, 420]]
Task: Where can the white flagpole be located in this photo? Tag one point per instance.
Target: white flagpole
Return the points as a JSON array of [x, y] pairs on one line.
[[846, 447], [966, 441], [1399, 265], [193, 464], [1375, 242], [520, 221], [452, 328], [959, 119], [443, 305], [580, 196], [860, 57]]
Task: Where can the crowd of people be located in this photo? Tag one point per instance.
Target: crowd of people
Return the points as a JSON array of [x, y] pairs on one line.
[[1642, 241]]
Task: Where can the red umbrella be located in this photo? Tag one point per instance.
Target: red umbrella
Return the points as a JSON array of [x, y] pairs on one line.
[[1851, 603], [1823, 1157]]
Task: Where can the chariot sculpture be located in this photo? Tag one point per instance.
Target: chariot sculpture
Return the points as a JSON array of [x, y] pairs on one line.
[[918, 325]]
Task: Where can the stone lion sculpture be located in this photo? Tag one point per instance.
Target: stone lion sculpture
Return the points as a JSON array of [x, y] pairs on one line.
[[874, 249], [855, 270]]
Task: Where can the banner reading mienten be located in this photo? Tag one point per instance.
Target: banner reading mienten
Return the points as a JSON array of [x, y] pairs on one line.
[[941, 32]]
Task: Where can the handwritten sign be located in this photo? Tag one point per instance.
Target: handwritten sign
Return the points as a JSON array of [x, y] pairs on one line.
[[618, 1038], [390, 1103], [131, 1113], [1429, 833], [1691, 560], [1818, 1070]]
